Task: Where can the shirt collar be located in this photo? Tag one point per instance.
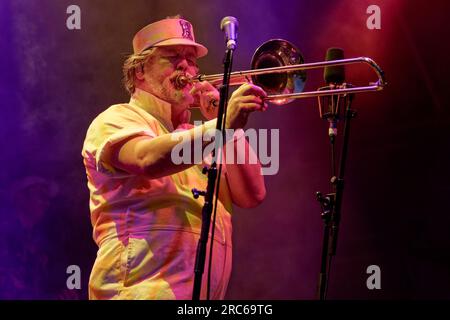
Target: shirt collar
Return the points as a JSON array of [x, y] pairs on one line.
[[158, 108]]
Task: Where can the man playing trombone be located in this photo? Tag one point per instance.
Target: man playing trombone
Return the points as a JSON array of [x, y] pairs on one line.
[[145, 219]]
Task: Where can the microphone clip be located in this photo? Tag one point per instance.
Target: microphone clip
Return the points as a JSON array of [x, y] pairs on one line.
[[331, 106]]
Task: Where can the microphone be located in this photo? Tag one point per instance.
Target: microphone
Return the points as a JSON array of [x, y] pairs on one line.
[[334, 74], [230, 26]]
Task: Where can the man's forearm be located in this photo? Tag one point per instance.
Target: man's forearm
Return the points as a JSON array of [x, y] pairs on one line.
[[245, 180], [153, 157]]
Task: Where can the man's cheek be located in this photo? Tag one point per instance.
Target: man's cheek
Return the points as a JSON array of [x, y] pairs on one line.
[[168, 83], [192, 71]]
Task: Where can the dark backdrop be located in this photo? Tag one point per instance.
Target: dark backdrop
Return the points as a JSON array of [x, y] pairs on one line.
[[54, 81]]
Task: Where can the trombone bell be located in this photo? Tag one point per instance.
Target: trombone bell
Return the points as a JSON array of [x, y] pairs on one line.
[[278, 53]]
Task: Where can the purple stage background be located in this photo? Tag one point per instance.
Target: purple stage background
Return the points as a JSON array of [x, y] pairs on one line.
[[54, 81]]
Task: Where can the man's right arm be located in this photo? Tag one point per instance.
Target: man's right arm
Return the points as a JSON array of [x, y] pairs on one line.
[[144, 155]]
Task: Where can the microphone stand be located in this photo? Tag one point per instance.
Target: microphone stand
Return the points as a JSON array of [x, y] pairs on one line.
[[331, 203], [212, 186]]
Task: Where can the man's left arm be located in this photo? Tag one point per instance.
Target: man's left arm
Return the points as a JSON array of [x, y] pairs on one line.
[[245, 180], [244, 177]]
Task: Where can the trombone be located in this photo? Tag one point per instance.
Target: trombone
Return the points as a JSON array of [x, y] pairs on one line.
[[279, 69]]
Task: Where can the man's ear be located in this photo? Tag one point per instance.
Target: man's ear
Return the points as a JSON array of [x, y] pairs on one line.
[[139, 72]]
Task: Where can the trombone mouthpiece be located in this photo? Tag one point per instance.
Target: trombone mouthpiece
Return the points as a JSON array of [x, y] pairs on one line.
[[181, 81]]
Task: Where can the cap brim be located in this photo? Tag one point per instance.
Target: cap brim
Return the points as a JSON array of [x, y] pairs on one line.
[[201, 50]]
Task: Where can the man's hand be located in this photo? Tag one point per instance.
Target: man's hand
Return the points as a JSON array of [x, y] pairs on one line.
[[204, 94], [247, 98]]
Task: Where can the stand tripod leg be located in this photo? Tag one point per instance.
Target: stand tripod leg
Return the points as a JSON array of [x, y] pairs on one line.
[[327, 204]]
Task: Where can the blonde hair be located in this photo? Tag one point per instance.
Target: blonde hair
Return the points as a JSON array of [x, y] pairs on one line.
[[133, 63]]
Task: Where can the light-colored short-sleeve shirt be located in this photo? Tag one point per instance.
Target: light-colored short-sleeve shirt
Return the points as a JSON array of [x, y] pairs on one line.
[[147, 229]]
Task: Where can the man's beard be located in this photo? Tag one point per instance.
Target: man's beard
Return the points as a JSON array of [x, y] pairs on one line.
[[174, 95]]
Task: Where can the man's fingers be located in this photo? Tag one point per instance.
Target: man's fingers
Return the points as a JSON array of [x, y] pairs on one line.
[[208, 86], [257, 91], [248, 99], [202, 86], [250, 107], [196, 89], [205, 91], [250, 89]]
